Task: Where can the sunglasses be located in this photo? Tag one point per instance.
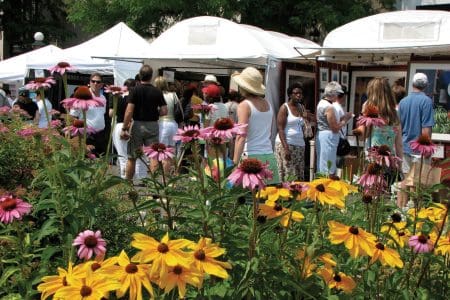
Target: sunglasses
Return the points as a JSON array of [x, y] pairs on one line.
[[96, 81]]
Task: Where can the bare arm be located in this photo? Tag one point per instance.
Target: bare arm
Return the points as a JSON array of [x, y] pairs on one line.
[[398, 143], [426, 131], [163, 110], [110, 112], [281, 126], [243, 113], [128, 116]]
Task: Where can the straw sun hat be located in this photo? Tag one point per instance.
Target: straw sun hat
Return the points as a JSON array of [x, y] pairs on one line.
[[250, 80]]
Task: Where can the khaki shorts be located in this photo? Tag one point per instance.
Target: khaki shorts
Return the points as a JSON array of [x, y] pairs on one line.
[[142, 134]]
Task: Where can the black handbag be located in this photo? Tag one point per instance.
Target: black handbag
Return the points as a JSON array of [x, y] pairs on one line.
[[343, 147]]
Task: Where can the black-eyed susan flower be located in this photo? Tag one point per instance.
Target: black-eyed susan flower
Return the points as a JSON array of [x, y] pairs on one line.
[[434, 213], [99, 264], [398, 234], [443, 246], [387, 256], [179, 276], [93, 287], [131, 277], [306, 266], [275, 210], [204, 255], [328, 260], [318, 191], [162, 254], [336, 183], [273, 193], [51, 284], [337, 280], [355, 239]]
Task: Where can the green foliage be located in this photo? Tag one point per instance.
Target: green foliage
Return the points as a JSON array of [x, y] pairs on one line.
[[442, 121]]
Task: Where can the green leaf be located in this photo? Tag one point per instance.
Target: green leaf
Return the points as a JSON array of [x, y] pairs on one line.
[[48, 228], [8, 272]]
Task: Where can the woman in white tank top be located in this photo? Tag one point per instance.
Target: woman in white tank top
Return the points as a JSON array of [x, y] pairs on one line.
[[257, 113], [289, 143]]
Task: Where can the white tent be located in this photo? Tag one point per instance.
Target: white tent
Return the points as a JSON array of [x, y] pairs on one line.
[[15, 68], [399, 32]]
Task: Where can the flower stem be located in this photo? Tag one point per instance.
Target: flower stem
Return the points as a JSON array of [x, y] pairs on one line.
[[42, 94], [113, 124], [252, 237]]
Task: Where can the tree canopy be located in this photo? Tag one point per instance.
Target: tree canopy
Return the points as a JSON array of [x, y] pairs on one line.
[[293, 17]]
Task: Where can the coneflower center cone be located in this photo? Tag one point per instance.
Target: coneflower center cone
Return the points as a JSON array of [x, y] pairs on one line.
[[251, 166], [83, 93], [90, 241], [78, 123], [9, 204], [384, 150], [424, 140], [40, 80], [223, 124], [422, 239], [159, 147], [373, 169], [63, 64]]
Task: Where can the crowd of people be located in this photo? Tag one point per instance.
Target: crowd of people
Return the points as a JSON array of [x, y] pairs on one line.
[[151, 112]]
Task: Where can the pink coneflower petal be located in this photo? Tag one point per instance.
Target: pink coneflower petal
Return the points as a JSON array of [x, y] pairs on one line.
[[159, 151], [115, 90], [40, 82], [89, 243], [12, 208], [224, 128], [4, 110], [423, 145], [420, 243], [28, 131], [251, 173], [61, 68], [188, 134], [83, 100]]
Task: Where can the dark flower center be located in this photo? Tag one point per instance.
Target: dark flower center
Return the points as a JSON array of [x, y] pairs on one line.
[[85, 291], [373, 169], [379, 246], [424, 140], [401, 233], [131, 268], [178, 270], [367, 199], [133, 195], [261, 219], [396, 217], [223, 124], [278, 207], [9, 204], [64, 281], [95, 266], [241, 200], [320, 188], [90, 241], [40, 80], [216, 141], [422, 239], [83, 93], [200, 255], [371, 111], [334, 177], [159, 147], [353, 230], [63, 64], [337, 278], [78, 123], [191, 133], [384, 150], [163, 248], [251, 166]]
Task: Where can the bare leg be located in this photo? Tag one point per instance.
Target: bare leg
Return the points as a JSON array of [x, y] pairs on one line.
[[131, 166]]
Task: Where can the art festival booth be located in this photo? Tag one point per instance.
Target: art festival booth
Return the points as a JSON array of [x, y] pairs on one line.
[[395, 45]]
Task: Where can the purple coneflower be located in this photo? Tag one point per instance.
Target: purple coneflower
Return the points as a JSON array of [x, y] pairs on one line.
[[224, 128], [27, 131], [40, 82], [423, 145], [203, 108], [188, 134], [115, 90], [90, 243], [54, 112], [3, 128], [4, 110], [61, 68], [373, 176], [55, 123], [251, 173], [421, 243], [370, 117], [159, 151], [12, 208], [83, 99], [382, 155], [77, 128]]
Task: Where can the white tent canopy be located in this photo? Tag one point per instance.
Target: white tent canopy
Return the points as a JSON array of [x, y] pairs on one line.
[[15, 68], [215, 39], [399, 32]]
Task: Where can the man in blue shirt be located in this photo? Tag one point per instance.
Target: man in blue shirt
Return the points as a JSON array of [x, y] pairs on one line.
[[416, 116]]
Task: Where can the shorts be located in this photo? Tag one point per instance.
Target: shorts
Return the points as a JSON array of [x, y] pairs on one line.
[[143, 133]]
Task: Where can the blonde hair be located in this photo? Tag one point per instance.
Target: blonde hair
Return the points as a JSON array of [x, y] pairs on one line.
[[380, 95], [161, 83]]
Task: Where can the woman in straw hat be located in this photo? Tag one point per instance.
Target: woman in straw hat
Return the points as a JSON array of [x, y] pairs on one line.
[[257, 113]]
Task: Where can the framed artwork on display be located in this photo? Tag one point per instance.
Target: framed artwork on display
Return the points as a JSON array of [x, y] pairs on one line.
[[307, 79], [438, 75], [335, 75], [360, 79], [344, 79], [323, 78]]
